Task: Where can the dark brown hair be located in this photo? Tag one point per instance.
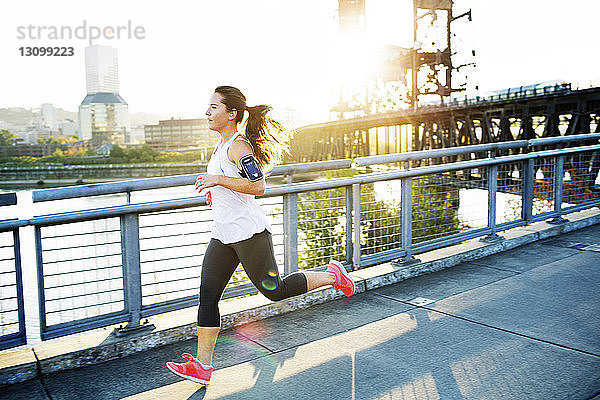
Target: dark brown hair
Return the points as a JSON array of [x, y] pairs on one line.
[[268, 137]]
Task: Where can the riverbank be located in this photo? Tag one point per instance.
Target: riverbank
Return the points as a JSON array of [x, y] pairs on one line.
[[80, 174], [36, 184]]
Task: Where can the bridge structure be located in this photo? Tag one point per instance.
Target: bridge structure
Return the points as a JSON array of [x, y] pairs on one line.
[[522, 113]]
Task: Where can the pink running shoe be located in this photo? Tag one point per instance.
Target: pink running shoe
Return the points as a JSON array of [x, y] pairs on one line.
[[343, 281], [193, 370]]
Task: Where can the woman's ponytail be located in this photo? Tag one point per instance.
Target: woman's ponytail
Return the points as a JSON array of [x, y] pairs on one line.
[[268, 136]]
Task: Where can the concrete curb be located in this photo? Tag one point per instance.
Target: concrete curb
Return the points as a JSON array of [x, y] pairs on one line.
[[18, 366], [101, 345]]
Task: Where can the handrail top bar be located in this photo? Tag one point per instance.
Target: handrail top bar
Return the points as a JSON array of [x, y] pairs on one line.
[[8, 199], [112, 187], [279, 190], [567, 138], [440, 168], [115, 211], [447, 151], [168, 181], [290, 169], [476, 148], [10, 224]]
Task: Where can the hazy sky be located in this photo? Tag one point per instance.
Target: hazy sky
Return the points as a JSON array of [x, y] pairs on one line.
[[280, 52]]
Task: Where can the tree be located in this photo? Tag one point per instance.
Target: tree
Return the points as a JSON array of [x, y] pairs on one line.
[[58, 153], [144, 153], [48, 140], [75, 152], [6, 138], [434, 210], [117, 152], [322, 219], [65, 140]]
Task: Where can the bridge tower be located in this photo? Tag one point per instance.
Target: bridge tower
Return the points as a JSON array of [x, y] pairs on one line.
[[431, 62], [429, 59], [432, 69]]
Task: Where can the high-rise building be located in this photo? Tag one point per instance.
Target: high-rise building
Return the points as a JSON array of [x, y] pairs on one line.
[[48, 116], [67, 128], [103, 113], [136, 135], [101, 69]]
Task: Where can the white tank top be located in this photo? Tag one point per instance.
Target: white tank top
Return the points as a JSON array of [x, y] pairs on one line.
[[236, 216]]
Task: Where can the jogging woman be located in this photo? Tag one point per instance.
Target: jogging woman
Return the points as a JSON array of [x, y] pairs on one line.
[[251, 142]]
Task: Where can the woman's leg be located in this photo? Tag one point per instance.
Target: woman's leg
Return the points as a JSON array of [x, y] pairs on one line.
[[316, 279], [256, 255], [207, 338], [218, 265]]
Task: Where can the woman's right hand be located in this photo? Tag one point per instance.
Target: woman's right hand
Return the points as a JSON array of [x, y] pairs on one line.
[[198, 184], [205, 181], [199, 187]]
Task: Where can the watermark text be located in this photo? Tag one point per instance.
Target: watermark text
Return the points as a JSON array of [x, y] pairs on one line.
[[83, 32]]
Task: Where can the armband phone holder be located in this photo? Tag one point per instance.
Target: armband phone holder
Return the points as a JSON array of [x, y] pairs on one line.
[[250, 168]]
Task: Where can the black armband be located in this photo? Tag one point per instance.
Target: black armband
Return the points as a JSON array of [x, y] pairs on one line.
[[250, 169]]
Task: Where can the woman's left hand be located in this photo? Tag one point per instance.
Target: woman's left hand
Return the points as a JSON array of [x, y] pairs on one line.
[[206, 181]]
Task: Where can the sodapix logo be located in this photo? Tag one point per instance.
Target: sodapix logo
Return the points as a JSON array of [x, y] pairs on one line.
[[83, 32]]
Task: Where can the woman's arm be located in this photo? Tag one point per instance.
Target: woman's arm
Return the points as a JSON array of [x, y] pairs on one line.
[[242, 185]]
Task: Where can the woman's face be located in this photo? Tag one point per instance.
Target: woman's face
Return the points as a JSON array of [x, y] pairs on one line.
[[217, 114]]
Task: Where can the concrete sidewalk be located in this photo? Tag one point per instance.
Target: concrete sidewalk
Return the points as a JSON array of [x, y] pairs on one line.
[[523, 324]]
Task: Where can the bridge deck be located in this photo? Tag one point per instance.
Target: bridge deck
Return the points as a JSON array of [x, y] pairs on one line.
[[523, 324]]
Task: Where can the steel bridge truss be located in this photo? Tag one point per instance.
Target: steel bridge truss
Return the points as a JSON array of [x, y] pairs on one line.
[[523, 114]]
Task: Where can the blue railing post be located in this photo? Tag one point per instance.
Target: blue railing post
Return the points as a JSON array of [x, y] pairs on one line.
[[406, 218], [558, 190], [349, 230], [19, 337], [492, 196], [356, 225], [41, 291], [30, 269], [528, 183], [132, 276], [290, 228], [19, 281]]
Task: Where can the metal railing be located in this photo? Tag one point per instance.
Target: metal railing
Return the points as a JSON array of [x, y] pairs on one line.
[[113, 264], [12, 316]]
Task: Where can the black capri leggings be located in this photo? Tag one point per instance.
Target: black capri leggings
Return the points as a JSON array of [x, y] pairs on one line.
[[258, 260]]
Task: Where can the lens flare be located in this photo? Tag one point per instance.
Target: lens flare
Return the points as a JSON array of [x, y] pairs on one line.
[[269, 284], [243, 342]]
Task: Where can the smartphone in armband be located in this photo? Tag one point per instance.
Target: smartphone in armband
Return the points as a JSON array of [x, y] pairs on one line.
[[250, 168]]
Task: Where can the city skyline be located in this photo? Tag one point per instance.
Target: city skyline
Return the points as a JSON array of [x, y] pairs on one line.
[[286, 54]]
